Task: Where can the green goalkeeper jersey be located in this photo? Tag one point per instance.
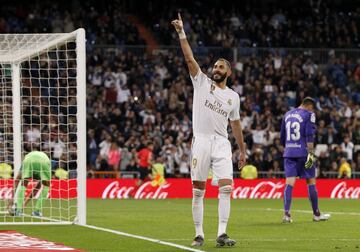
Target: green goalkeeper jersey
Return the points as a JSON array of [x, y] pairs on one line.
[[36, 165]]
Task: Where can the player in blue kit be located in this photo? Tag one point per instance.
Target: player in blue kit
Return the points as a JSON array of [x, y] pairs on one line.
[[297, 135]]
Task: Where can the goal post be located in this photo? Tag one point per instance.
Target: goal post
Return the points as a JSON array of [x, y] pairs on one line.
[[43, 108]]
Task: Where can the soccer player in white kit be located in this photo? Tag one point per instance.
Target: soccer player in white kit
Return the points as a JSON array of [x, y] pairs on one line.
[[214, 104]]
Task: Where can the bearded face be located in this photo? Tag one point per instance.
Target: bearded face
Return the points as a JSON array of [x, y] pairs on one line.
[[218, 77], [219, 71]]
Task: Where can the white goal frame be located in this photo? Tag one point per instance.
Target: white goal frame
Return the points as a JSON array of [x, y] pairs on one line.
[[14, 58]]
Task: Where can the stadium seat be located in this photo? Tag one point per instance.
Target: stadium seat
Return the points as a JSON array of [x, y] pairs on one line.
[[321, 148], [333, 146], [356, 147]]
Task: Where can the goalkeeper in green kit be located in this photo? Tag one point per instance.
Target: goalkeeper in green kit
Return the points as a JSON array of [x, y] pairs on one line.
[[36, 165]]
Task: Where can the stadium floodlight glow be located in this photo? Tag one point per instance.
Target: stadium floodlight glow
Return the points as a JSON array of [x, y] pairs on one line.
[[43, 107]]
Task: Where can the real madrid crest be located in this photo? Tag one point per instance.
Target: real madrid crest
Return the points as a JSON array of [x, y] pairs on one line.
[[229, 102], [212, 88]]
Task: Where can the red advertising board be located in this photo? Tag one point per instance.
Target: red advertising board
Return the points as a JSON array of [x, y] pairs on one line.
[[181, 188], [243, 189], [59, 188]]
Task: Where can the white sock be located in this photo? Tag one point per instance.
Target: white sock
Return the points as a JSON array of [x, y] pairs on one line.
[[198, 210], [224, 208]]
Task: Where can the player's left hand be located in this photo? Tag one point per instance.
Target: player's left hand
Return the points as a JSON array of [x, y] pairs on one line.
[[310, 160], [178, 24], [242, 160]]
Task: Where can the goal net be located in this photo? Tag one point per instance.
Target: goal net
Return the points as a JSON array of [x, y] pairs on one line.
[[42, 108]]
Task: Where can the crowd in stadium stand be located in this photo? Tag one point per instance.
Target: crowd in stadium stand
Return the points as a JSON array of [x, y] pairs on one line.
[[228, 25], [134, 98], [310, 24], [105, 24]]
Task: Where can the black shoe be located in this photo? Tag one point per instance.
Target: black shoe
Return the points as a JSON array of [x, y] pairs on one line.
[[224, 240], [198, 241]]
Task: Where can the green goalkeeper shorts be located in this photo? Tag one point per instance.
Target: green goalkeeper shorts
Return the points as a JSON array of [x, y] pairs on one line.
[[36, 165]]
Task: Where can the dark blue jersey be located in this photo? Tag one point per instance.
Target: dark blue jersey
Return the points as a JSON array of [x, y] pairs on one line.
[[297, 129]]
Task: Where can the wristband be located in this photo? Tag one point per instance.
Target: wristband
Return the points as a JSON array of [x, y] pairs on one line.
[[182, 34]]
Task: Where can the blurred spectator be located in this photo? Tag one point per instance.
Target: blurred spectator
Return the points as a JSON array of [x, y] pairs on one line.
[[145, 160], [158, 167], [58, 147], [105, 147], [126, 158], [348, 147], [5, 169], [321, 133], [357, 163], [101, 164], [92, 148], [132, 166], [114, 157], [123, 93], [344, 169], [330, 136], [184, 166], [274, 170], [356, 132], [32, 134], [336, 155]]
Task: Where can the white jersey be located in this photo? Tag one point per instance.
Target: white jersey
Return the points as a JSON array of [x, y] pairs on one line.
[[213, 107]]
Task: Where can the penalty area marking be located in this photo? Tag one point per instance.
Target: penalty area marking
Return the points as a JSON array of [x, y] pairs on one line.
[[143, 238]]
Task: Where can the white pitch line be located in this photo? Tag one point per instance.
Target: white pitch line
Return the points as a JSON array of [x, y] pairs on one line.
[[308, 211], [276, 240], [298, 211], [143, 238], [51, 220], [40, 217]]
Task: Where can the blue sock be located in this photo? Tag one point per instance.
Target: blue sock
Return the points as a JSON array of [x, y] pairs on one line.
[[287, 198], [313, 197]]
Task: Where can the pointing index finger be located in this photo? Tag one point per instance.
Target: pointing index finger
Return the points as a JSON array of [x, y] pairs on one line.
[[179, 16]]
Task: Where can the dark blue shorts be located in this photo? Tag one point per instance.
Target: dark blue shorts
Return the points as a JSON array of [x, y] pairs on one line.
[[295, 167]]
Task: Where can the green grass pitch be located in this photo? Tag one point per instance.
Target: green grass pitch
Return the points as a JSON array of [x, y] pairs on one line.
[[255, 224]]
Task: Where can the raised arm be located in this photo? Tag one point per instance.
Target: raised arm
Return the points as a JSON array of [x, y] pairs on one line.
[[186, 49]]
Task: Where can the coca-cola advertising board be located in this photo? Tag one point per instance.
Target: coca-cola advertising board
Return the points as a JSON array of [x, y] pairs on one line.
[[59, 189], [242, 189], [181, 188]]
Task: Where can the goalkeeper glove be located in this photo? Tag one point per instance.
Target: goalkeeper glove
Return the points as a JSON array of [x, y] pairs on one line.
[[310, 160]]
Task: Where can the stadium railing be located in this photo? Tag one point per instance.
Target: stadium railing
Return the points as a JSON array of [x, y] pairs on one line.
[[116, 174], [281, 174], [107, 174]]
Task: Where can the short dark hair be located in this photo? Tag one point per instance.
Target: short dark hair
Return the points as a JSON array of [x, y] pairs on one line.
[[226, 62], [308, 101]]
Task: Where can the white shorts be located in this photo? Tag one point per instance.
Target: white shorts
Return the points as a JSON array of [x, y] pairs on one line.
[[211, 152]]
